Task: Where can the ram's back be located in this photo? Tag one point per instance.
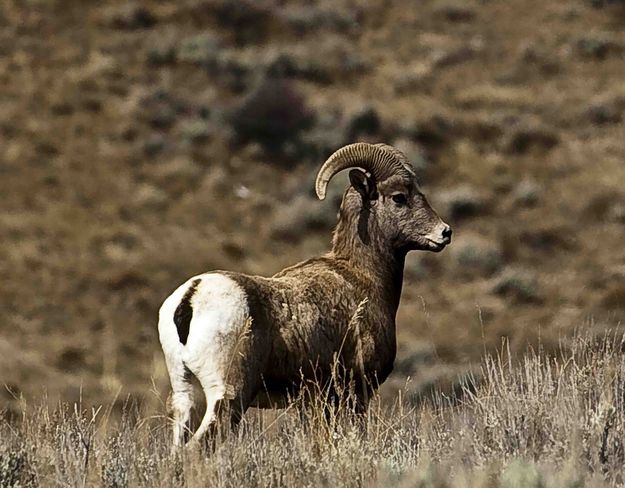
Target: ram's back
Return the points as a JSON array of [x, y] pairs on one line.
[[306, 308]]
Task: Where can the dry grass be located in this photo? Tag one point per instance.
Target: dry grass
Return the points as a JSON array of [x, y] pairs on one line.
[[548, 420]]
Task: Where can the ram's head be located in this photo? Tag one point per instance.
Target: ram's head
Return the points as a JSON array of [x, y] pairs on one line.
[[385, 194]]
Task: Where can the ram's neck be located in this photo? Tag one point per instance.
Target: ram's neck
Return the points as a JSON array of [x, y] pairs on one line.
[[363, 248]]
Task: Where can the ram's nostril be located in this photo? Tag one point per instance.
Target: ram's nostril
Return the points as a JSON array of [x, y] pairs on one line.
[[447, 233]]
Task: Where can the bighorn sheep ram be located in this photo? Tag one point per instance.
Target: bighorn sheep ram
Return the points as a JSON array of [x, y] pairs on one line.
[[297, 323]]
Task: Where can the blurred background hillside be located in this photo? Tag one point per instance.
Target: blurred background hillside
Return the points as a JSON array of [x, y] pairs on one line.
[[145, 142]]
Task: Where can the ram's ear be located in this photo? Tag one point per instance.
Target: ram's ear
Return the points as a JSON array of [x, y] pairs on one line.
[[364, 184]]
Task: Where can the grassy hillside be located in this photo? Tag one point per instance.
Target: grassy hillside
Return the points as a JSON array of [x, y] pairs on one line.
[[144, 142], [550, 422]]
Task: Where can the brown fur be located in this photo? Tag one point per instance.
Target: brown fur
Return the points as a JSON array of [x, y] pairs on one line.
[[301, 315]]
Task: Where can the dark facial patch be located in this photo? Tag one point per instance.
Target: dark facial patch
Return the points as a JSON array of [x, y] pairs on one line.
[[184, 312]]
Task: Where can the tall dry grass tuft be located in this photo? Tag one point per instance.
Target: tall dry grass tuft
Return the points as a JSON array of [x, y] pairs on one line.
[[546, 420]]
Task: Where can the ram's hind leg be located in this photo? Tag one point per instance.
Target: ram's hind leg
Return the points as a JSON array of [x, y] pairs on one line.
[[180, 404], [180, 401], [215, 392], [218, 411], [227, 399]]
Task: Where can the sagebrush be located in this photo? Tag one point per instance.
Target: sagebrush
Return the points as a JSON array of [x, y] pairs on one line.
[[545, 420]]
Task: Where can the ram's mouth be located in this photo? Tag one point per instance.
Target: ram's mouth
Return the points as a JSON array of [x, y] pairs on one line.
[[436, 246]]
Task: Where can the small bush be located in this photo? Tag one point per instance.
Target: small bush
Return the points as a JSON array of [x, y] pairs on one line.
[[161, 53], [606, 3], [198, 49], [462, 202], [604, 113], [273, 114], [475, 255], [196, 131], [454, 11], [308, 18], [130, 16], [526, 137], [115, 465], [248, 20], [15, 468], [527, 193], [434, 131], [364, 122], [518, 284], [599, 46], [160, 109], [154, 145]]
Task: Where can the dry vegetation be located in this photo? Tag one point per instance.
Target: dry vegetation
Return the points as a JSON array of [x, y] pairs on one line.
[[548, 421]]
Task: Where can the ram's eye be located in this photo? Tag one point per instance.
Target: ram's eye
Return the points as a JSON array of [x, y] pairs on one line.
[[399, 198]]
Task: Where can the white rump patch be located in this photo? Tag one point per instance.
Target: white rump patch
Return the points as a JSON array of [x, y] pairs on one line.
[[220, 311], [220, 314]]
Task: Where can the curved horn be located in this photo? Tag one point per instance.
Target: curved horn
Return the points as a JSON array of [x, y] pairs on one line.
[[378, 161]]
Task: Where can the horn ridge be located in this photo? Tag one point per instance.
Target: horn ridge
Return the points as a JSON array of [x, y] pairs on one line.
[[378, 161], [401, 157]]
